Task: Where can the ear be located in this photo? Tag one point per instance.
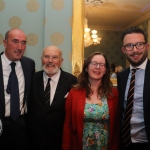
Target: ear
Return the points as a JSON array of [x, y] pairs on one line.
[[123, 49], [5, 43], [61, 61], [147, 46]]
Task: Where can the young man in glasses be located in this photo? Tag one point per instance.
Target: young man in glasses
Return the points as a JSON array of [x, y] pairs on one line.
[[135, 109]]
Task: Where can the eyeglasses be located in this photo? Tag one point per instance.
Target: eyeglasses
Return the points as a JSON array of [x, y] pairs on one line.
[[95, 64], [54, 58], [130, 46]]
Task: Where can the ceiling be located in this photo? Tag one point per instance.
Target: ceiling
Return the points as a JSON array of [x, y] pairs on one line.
[[116, 14]]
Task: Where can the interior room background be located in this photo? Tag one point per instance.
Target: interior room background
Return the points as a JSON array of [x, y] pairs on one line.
[[49, 22], [46, 22], [111, 44]]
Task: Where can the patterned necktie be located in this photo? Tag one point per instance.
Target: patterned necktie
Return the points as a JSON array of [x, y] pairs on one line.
[[47, 94], [126, 137], [13, 90]]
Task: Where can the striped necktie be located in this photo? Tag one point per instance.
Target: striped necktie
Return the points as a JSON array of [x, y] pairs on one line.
[[47, 94], [126, 137]]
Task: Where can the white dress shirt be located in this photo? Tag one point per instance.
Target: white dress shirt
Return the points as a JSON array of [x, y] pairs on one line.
[[53, 84], [21, 82]]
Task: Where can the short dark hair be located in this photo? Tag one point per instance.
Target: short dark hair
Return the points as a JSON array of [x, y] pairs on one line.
[[134, 30], [6, 34]]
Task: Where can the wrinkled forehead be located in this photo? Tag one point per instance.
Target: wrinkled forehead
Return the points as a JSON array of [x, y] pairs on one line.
[[52, 52], [17, 34]]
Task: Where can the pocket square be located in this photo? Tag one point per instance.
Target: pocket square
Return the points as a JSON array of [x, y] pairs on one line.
[[66, 95]]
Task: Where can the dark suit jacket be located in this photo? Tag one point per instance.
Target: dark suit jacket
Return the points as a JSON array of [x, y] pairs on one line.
[[74, 124], [52, 120], [28, 66], [122, 81]]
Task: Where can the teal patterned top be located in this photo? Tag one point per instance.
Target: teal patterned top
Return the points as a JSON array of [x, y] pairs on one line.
[[96, 126]]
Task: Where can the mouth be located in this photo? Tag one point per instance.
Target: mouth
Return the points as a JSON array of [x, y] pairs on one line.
[[96, 72], [136, 56], [50, 65], [18, 51]]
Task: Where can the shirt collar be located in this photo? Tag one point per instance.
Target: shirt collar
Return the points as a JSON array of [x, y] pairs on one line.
[[142, 66], [6, 61], [54, 78]]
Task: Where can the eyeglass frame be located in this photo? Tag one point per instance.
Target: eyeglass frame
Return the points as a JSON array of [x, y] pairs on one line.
[[54, 58], [101, 65], [134, 45]]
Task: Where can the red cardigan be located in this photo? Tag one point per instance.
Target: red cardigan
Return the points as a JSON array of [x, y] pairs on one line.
[[73, 126]]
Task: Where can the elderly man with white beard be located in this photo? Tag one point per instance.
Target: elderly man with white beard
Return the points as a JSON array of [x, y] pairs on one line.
[[49, 92]]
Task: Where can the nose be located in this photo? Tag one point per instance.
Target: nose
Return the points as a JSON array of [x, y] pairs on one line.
[[50, 59], [19, 46], [98, 66], [134, 48]]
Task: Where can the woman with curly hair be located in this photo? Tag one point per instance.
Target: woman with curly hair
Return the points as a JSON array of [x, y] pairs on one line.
[[91, 121]]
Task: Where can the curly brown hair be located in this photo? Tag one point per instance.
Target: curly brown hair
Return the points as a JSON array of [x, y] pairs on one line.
[[83, 78]]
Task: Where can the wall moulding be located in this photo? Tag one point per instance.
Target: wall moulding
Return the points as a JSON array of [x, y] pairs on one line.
[[77, 36]]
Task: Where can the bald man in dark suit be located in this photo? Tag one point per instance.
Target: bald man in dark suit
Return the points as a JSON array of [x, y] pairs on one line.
[[15, 131], [47, 121]]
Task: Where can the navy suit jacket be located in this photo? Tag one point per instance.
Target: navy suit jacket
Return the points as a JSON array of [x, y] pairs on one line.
[[28, 66], [122, 81]]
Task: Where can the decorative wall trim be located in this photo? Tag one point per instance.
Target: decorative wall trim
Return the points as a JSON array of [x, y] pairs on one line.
[[146, 16], [77, 36], [139, 20]]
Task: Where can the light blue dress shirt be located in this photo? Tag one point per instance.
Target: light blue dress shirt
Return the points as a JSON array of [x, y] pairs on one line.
[[138, 133]]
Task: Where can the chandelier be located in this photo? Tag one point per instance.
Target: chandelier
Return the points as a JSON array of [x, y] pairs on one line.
[[96, 3], [90, 37]]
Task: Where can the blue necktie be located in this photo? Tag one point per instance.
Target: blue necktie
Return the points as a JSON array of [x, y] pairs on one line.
[[13, 90]]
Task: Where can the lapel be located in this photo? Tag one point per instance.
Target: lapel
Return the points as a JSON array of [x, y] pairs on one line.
[[39, 85], [38, 90], [146, 93], [62, 88], [25, 72], [2, 97], [122, 82]]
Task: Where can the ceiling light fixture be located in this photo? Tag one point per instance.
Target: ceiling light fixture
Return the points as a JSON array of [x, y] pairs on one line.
[[90, 37], [95, 2]]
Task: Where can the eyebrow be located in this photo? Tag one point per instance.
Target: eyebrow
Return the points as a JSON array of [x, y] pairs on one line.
[[24, 41]]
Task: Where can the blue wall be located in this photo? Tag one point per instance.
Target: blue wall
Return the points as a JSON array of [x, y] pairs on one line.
[[46, 22]]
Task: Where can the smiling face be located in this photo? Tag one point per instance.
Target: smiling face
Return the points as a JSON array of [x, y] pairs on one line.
[[51, 60], [98, 71], [135, 57], [15, 45]]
